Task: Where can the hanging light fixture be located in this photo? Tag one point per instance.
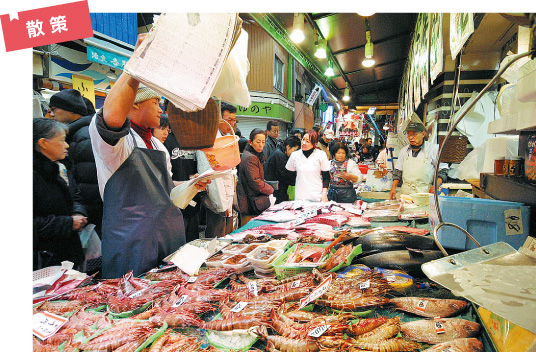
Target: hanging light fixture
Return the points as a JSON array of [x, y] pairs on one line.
[[329, 71], [297, 34], [111, 74], [346, 96], [369, 47], [321, 49], [366, 13]]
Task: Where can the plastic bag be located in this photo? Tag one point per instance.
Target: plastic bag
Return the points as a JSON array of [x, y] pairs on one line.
[[511, 72], [91, 244], [379, 184]]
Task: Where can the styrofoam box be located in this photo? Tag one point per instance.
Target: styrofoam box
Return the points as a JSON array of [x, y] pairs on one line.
[[526, 82], [482, 218]]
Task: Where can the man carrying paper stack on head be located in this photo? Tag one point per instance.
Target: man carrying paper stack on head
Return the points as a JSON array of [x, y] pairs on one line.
[[140, 225]]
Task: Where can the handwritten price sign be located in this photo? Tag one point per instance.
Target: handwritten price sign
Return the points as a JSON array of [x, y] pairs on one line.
[[239, 306], [252, 287], [46, 324], [181, 301], [513, 222], [318, 331], [317, 292]]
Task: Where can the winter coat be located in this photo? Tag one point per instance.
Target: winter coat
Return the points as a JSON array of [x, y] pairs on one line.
[[251, 183], [275, 170], [270, 146], [54, 202], [80, 155]]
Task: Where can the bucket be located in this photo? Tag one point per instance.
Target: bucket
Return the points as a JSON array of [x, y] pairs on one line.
[[363, 168], [195, 130], [224, 154]]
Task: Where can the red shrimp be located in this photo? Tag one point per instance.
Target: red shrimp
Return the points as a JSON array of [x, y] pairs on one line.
[[365, 325], [391, 345], [232, 324]]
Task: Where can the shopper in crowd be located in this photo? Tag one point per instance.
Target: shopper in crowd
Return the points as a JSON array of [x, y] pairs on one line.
[[365, 154], [242, 141], [184, 167], [344, 173], [252, 191], [162, 132], [416, 163], [272, 139], [381, 160], [275, 170], [218, 201], [312, 170], [141, 225], [324, 142], [68, 106], [58, 212], [296, 132]]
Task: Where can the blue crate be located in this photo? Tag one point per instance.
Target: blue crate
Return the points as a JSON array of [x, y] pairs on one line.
[[482, 218]]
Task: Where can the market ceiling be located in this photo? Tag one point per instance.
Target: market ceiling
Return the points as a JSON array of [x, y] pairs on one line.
[[391, 34]]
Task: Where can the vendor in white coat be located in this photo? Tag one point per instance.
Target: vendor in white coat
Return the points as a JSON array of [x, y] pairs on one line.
[[416, 163], [312, 170]]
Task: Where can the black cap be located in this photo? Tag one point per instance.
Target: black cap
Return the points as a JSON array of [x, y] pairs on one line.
[[416, 126], [69, 100]]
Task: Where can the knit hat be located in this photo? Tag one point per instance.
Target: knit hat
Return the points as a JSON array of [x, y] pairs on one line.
[[145, 93], [69, 100]]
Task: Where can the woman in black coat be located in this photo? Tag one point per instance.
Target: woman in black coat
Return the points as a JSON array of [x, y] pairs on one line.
[[252, 191], [58, 213]]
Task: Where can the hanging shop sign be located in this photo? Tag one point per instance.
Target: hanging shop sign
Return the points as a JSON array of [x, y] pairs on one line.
[[85, 86], [436, 46], [314, 94], [461, 28], [258, 109], [105, 57]]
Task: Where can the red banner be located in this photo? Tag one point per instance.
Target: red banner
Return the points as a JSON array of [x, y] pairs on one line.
[[47, 25]]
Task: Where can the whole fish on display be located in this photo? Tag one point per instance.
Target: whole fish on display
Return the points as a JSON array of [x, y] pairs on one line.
[[381, 242], [458, 345], [429, 307], [439, 330], [409, 261]]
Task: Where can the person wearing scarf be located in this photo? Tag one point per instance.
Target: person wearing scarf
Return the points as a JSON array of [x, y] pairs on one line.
[[312, 170], [344, 172], [252, 191]]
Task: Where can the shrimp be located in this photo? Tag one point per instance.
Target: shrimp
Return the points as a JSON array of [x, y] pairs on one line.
[[391, 345], [285, 344]]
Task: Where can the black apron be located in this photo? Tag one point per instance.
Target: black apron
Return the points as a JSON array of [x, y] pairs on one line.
[[140, 225]]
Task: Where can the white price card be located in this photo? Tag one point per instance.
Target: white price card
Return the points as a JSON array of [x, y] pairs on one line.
[[192, 279], [137, 294], [421, 305], [295, 284], [46, 324], [298, 221], [318, 331], [252, 287], [364, 285], [183, 299], [439, 328], [317, 292], [513, 222], [239, 306], [390, 278]]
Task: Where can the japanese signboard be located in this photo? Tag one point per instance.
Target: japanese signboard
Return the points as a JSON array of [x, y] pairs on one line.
[[85, 86], [314, 94], [47, 25]]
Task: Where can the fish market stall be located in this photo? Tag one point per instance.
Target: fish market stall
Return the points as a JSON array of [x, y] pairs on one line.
[[307, 284]]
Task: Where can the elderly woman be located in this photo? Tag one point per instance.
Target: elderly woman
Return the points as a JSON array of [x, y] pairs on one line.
[[253, 193], [312, 170], [58, 213], [344, 172]]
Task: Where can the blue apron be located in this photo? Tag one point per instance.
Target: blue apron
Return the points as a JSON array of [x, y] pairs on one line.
[[140, 225]]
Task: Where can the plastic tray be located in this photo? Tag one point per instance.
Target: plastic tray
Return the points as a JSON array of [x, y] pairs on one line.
[[234, 248], [283, 271], [218, 263], [267, 263], [46, 272], [250, 248], [263, 271], [239, 268], [279, 244]]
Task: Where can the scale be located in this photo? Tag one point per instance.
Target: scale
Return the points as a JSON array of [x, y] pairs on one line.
[[496, 277]]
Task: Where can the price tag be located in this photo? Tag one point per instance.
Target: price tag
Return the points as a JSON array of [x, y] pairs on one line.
[[137, 294], [192, 279], [295, 284], [513, 222], [252, 287], [46, 324], [364, 285], [181, 301], [319, 331], [447, 349], [421, 305], [239, 307], [439, 328], [354, 211], [390, 278], [298, 222], [317, 292]]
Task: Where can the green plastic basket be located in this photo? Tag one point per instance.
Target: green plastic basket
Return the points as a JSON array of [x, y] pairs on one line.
[[283, 271]]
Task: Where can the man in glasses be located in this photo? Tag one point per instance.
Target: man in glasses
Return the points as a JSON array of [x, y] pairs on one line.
[[416, 163]]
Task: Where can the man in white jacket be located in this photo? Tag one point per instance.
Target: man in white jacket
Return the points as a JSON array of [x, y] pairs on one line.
[[221, 191]]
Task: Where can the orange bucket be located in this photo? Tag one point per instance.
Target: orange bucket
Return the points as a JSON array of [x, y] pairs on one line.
[[224, 154]]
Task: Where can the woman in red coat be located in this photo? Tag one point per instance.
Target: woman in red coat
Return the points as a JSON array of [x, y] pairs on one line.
[[252, 191]]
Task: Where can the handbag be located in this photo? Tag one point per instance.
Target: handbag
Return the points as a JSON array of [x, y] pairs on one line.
[[258, 204]]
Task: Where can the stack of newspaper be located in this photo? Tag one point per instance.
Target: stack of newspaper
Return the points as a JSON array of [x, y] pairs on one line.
[[183, 56]]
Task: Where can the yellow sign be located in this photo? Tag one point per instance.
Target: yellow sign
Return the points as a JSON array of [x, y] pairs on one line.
[[85, 86]]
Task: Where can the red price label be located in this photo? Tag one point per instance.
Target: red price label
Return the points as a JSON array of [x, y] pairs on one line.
[[421, 305]]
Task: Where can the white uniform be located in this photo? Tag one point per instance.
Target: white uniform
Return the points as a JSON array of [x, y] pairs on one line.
[[308, 174], [418, 172]]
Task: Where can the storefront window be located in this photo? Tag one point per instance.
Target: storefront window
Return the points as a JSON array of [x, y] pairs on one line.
[[279, 74]]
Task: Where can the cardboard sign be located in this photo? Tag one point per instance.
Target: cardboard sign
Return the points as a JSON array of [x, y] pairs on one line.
[[513, 222]]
